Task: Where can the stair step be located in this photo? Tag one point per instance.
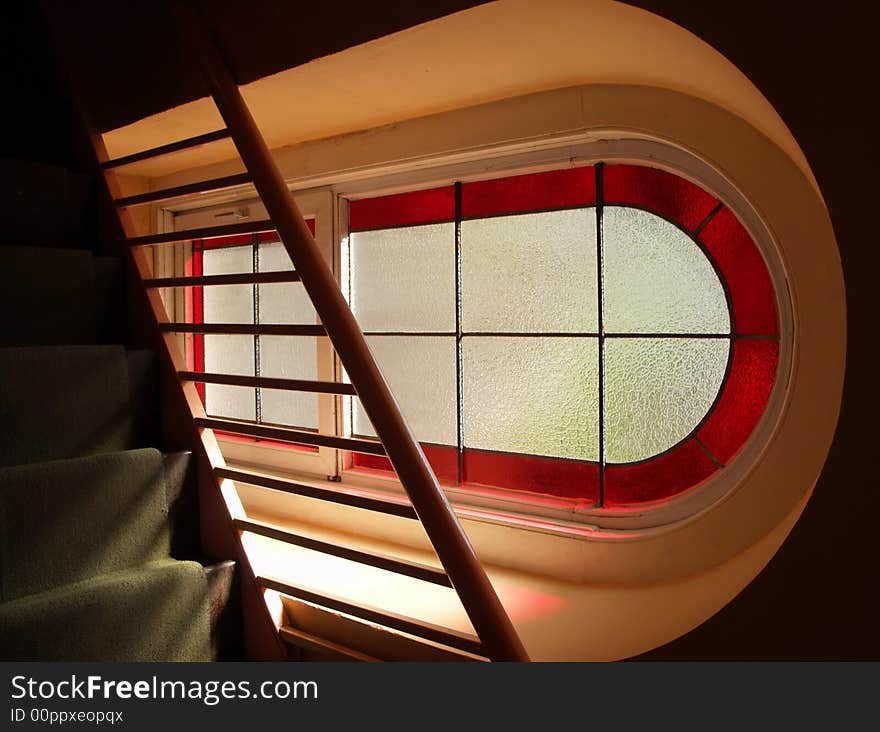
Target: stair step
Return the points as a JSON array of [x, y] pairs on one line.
[[43, 205], [47, 296], [157, 612], [110, 302], [428, 631], [415, 570], [309, 642], [182, 498], [52, 512], [60, 402], [166, 149], [347, 498], [227, 639], [143, 398], [283, 434]]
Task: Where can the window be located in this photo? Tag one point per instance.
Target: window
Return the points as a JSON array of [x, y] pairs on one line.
[[605, 335], [592, 340]]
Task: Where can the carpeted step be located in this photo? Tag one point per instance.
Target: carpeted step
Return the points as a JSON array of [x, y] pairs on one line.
[[182, 495], [110, 309], [47, 296], [143, 398], [62, 401], [157, 612], [44, 205], [64, 521], [227, 641]]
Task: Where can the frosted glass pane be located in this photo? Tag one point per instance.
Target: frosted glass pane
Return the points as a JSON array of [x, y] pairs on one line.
[[535, 272], [286, 303], [538, 396], [229, 355], [421, 374], [289, 358], [657, 390], [228, 260], [228, 303], [273, 258], [656, 279], [404, 279]]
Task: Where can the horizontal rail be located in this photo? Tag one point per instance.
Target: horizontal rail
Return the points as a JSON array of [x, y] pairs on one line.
[[309, 642], [245, 278], [355, 500], [415, 570], [267, 382], [299, 437], [169, 148], [203, 186], [205, 232], [244, 329], [428, 631]]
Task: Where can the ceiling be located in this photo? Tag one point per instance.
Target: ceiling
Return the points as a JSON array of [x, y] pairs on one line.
[[129, 63]]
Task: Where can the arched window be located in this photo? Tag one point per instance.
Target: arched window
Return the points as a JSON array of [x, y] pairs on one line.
[[604, 334]]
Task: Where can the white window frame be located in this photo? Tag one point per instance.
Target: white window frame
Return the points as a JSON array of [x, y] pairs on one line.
[[317, 204]]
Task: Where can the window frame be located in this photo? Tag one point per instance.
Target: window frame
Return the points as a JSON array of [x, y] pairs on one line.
[[497, 505], [318, 204]]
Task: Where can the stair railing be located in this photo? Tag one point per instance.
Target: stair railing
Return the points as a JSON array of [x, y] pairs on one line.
[[480, 601]]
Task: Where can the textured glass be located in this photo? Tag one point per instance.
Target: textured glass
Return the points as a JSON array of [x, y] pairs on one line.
[[274, 258], [528, 273], [228, 303], [421, 374], [752, 374], [404, 279], [656, 279], [657, 390], [536, 396], [229, 354], [289, 358]]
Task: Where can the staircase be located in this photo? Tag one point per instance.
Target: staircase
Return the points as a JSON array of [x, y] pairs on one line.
[[310, 621], [93, 518]]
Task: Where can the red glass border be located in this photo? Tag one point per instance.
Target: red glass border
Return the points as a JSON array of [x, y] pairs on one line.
[[402, 209], [442, 458], [744, 398], [662, 477], [555, 189], [744, 272], [668, 195]]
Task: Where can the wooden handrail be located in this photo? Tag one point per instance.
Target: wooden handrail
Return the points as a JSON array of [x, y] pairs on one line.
[[486, 613]]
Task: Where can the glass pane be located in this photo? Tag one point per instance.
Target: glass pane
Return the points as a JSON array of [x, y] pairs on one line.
[[656, 392], [228, 303], [289, 358], [404, 279], [421, 374], [233, 354], [536, 396], [528, 273], [656, 279], [273, 257]]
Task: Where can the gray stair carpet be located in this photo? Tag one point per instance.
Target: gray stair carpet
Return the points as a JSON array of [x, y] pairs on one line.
[[48, 296], [159, 611], [52, 513], [62, 401]]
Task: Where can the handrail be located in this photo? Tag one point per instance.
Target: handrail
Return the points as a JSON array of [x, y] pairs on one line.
[[486, 613]]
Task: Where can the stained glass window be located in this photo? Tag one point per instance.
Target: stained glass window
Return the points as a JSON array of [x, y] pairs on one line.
[[606, 334], [271, 356]]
